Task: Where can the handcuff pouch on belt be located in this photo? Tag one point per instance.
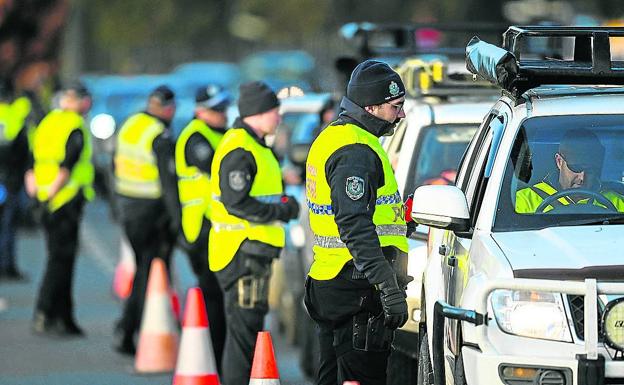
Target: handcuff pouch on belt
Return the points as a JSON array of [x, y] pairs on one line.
[[253, 289]]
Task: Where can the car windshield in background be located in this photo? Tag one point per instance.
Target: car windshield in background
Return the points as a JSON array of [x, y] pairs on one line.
[[437, 157], [564, 171]]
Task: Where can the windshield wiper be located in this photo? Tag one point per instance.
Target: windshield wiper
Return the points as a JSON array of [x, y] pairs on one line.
[[612, 220]]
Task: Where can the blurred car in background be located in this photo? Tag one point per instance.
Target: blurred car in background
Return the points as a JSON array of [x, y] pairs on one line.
[[443, 110]]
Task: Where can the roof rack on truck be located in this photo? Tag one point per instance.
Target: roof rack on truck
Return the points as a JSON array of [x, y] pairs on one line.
[[515, 68]]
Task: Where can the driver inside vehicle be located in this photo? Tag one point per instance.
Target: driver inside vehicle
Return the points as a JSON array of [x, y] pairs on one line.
[[579, 161]]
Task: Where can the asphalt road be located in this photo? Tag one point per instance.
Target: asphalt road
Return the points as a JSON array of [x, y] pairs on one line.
[[26, 358]]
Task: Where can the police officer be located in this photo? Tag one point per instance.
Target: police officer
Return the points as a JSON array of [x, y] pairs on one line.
[[61, 180], [147, 198], [246, 234], [194, 151], [14, 159], [355, 290]]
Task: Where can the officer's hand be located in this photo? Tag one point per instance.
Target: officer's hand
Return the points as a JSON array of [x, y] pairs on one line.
[[393, 303], [411, 228], [291, 207]]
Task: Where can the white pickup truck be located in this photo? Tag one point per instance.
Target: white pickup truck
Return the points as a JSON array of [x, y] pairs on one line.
[[525, 257]]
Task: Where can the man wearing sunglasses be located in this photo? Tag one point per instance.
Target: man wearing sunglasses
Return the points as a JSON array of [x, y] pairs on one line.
[[355, 290], [579, 162]]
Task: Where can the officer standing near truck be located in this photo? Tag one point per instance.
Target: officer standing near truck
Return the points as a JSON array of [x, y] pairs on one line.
[[195, 149], [246, 235], [355, 290]]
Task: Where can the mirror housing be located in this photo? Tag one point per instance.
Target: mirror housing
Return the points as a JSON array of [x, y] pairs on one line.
[[443, 207]]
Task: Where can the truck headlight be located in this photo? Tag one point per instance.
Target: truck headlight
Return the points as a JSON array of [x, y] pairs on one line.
[[531, 314]]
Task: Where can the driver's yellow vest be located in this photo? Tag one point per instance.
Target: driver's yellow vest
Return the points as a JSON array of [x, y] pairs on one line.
[[49, 142], [528, 199], [193, 184], [229, 231], [330, 252], [136, 171]]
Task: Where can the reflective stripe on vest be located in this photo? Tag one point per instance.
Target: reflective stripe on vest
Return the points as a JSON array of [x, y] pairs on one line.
[[49, 142], [229, 231], [330, 253], [136, 171], [193, 184]]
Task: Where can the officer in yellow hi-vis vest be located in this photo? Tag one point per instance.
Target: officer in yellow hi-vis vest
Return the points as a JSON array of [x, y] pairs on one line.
[[579, 162], [195, 149], [355, 289], [248, 210], [147, 198], [61, 180], [14, 159]]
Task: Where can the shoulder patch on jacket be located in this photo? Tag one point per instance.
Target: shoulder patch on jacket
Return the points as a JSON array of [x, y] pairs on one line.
[[355, 187], [237, 180]]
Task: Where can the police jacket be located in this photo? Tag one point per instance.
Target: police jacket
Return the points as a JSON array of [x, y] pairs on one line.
[[236, 199], [166, 208], [354, 218], [198, 151]]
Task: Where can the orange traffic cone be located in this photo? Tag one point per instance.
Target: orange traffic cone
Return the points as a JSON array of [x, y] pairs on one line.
[[196, 362], [264, 369], [124, 271], [351, 383], [158, 338]]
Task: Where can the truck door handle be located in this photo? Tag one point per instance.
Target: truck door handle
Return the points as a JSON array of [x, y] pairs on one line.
[[443, 250], [451, 261]]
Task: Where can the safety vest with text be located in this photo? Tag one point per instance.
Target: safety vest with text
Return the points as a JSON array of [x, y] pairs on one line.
[[330, 252], [136, 171], [193, 184], [229, 231], [49, 143]]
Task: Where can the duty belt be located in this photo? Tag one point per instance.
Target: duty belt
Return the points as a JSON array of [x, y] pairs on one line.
[[330, 242]]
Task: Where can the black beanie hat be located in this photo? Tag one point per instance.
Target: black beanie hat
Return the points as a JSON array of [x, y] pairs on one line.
[[373, 82], [164, 94], [256, 98]]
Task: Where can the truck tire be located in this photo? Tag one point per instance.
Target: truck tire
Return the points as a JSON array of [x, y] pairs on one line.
[[425, 369], [402, 369]]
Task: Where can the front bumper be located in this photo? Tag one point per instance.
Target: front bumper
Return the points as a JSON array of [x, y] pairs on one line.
[[589, 364], [485, 368]]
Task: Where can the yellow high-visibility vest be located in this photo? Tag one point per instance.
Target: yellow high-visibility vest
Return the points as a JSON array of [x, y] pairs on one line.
[[229, 231], [193, 184], [529, 198], [136, 171], [330, 253], [49, 142]]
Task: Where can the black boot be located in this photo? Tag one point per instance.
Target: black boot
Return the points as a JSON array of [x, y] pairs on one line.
[[123, 342]]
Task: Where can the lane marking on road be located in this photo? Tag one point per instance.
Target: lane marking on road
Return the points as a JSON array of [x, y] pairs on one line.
[[96, 249]]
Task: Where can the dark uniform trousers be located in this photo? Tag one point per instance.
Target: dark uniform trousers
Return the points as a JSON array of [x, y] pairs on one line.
[[342, 307], [198, 257], [244, 317], [149, 238], [61, 234]]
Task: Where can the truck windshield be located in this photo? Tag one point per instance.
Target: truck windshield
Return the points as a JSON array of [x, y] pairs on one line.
[[564, 171], [436, 158]]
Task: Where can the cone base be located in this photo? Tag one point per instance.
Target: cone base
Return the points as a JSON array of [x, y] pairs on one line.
[[156, 353], [264, 381], [205, 379]]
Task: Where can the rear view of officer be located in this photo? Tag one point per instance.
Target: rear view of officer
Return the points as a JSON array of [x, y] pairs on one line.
[[355, 289], [194, 151], [14, 158], [147, 198], [61, 180], [246, 234]]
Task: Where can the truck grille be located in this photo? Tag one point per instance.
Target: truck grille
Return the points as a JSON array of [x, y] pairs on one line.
[[577, 306]]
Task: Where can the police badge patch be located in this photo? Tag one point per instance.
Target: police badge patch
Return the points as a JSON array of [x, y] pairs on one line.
[[355, 187], [237, 180]]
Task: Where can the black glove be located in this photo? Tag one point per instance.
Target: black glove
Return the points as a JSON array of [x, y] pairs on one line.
[[289, 207], [411, 227], [393, 303]]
